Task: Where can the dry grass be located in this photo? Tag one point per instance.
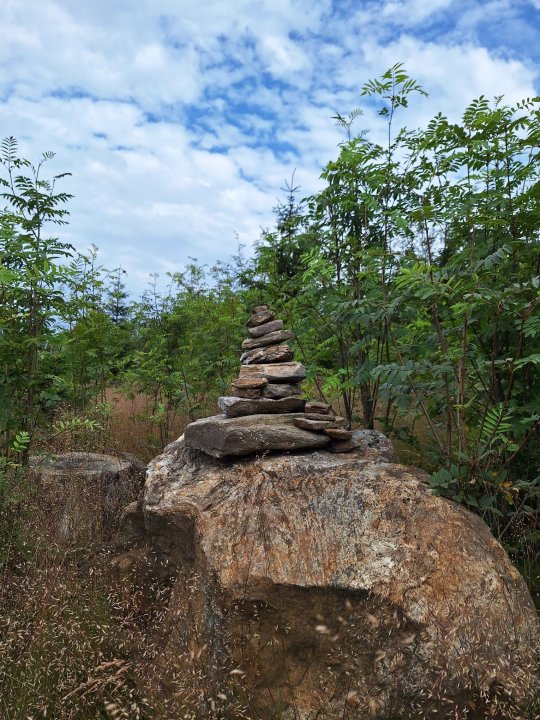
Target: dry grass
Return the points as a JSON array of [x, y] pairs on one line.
[[62, 654], [124, 424], [72, 647], [133, 432], [75, 644]]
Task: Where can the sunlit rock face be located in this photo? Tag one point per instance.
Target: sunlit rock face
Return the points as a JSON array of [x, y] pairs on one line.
[[335, 586]]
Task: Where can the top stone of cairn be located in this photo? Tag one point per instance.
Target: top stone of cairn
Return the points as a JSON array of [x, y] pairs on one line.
[[260, 316]]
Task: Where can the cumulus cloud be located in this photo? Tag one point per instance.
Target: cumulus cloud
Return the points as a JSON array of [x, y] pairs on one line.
[[181, 121]]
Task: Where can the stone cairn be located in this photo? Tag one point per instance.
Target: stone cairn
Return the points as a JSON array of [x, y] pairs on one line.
[[265, 411]]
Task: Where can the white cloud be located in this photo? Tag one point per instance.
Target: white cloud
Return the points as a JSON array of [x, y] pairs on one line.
[[411, 12], [181, 121]]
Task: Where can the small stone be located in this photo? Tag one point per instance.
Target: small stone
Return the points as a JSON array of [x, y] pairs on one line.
[[292, 372], [320, 416], [316, 425], [318, 407], [339, 433], [340, 446], [259, 309], [280, 390], [260, 318], [369, 444], [237, 407], [266, 328], [270, 354], [272, 338], [247, 392], [255, 382]]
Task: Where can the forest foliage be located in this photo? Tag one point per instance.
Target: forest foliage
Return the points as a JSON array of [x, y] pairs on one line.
[[411, 281]]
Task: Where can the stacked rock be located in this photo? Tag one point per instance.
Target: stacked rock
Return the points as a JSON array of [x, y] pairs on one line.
[[269, 382], [265, 410], [319, 417]]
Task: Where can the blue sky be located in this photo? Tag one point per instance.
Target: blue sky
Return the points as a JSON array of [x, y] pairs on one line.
[[181, 121]]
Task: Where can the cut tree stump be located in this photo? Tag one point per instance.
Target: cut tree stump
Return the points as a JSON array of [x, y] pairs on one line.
[[87, 492]]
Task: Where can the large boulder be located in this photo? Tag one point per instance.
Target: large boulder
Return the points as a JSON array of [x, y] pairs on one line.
[[316, 585]]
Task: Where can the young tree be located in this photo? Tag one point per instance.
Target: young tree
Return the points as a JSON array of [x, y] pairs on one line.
[[29, 283]]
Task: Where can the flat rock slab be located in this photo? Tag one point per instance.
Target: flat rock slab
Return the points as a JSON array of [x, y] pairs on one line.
[[318, 407], [268, 327], [250, 393], [237, 407], [273, 338], [249, 383], [270, 354], [290, 372], [339, 433], [369, 444], [342, 445], [221, 437], [281, 390], [250, 388], [327, 417], [308, 424]]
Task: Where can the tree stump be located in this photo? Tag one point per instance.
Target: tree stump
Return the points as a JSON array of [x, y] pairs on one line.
[[87, 492]]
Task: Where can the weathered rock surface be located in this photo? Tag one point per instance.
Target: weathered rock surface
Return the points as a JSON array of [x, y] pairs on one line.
[[335, 586], [249, 383], [221, 437], [260, 318], [272, 338], [339, 433], [235, 406], [318, 407], [370, 443], [311, 424], [270, 354], [88, 492], [281, 390], [290, 372], [268, 327]]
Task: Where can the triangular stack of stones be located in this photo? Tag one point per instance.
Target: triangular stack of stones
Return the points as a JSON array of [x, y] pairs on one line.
[[269, 382], [265, 410]]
